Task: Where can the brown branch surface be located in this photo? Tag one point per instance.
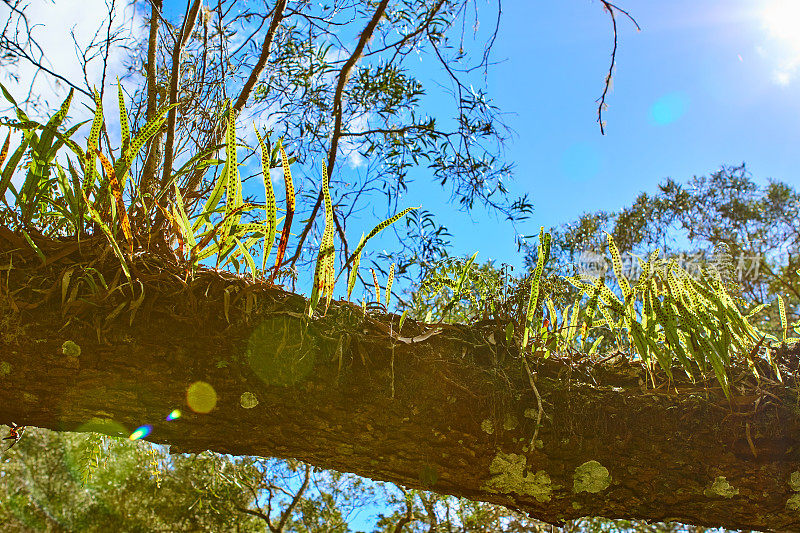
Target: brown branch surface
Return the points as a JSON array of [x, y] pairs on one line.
[[152, 92], [460, 420]]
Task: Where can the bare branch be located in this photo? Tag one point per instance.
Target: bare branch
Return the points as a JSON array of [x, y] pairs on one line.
[[295, 500], [601, 102], [149, 171], [262, 59], [344, 74], [186, 30]]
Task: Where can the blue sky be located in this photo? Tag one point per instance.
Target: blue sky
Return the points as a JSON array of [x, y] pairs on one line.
[[702, 85]]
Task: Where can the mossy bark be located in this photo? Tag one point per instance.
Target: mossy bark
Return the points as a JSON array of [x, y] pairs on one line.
[[452, 412]]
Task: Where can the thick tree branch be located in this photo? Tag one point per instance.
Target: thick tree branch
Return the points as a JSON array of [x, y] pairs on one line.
[[406, 518], [460, 421], [257, 514], [287, 513], [244, 94], [151, 162], [186, 30]]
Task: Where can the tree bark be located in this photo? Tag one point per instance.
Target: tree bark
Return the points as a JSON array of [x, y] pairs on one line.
[[151, 162], [452, 412], [175, 74]]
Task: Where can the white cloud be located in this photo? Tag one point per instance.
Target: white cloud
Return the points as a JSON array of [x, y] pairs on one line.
[[782, 78], [53, 25], [349, 146], [264, 117]]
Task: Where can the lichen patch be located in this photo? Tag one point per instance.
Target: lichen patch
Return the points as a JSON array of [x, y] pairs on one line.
[[248, 400], [30, 397], [510, 422], [793, 503], [720, 488], [510, 475], [592, 477], [70, 349], [5, 368], [794, 477], [487, 426]]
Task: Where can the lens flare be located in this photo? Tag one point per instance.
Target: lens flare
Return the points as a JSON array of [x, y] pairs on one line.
[[175, 414], [141, 432], [668, 108], [201, 397]]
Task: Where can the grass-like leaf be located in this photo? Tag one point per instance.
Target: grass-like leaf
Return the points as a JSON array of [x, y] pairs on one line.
[[616, 262], [351, 278], [122, 213], [125, 130], [231, 176], [533, 298], [389, 285], [287, 222], [377, 229], [324, 271], [270, 207], [784, 323], [109, 235], [377, 285], [89, 168]]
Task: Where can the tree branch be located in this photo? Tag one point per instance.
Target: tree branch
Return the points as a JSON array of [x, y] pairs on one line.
[[149, 170], [244, 94], [461, 414], [344, 74], [287, 513], [186, 30], [601, 102]]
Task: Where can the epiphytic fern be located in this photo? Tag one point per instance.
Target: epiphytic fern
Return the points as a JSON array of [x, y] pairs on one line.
[[287, 222], [324, 272], [389, 285], [543, 255], [355, 257], [270, 207], [670, 317]]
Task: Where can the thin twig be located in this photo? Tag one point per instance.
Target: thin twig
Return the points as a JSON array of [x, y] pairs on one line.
[[601, 102]]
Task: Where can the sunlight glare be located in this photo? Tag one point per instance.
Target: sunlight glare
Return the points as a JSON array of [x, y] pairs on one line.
[[781, 19]]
